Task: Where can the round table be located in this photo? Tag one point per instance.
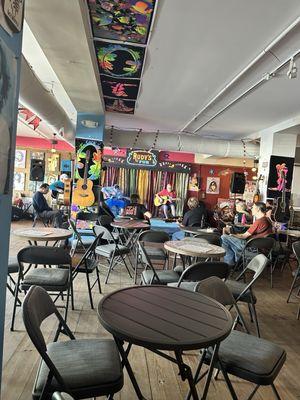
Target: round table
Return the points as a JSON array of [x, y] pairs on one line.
[[130, 224], [164, 318], [43, 234], [192, 248], [194, 230], [290, 232]]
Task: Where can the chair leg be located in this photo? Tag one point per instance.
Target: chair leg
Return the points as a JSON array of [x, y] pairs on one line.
[[89, 290], [15, 302], [253, 392], [275, 391], [98, 279], [110, 266], [72, 294], [255, 319], [129, 273], [298, 312], [293, 285], [228, 383]]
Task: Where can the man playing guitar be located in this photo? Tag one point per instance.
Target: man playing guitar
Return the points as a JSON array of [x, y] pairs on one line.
[[171, 195]]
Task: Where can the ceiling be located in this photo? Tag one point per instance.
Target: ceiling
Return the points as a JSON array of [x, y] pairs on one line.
[[195, 49]]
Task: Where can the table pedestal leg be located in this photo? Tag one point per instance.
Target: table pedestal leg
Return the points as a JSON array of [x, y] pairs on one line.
[[186, 373], [125, 362]]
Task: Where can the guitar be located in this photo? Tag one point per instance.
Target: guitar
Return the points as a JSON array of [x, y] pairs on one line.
[[161, 200], [67, 192], [282, 208], [83, 195], [256, 196]]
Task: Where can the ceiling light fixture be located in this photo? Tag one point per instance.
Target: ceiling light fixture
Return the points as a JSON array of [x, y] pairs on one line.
[[254, 168], [292, 71], [53, 143]]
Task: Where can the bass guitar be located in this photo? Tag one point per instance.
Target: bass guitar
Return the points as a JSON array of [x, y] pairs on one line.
[[161, 200], [83, 195], [282, 208], [256, 196]]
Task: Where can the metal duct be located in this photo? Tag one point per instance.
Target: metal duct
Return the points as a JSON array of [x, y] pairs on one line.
[[182, 142], [43, 103]]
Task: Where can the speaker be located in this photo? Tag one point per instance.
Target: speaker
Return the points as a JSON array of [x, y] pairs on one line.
[[238, 182], [37, 170]]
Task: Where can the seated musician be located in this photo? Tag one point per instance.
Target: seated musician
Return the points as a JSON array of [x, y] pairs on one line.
[[196, 216], [171, 194], [58, 186], [115, 199], [234, 243], [242, 216], [136, 210]]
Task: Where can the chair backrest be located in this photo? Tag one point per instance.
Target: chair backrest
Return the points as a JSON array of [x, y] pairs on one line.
[[153, 236], [211, 238], [105, 220], [215, 288], [44, 255], [148, 264], [105, 234], [203, 270], [257, 265], [296, 250], [86, 216], [262, 243], [38, 306]]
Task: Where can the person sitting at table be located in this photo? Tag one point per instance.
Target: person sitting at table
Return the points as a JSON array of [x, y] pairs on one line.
[[234, 243], [58, 186], [170, 204], [135, 209], [196, 216], [41, 206], [242, 216], [115, 199]]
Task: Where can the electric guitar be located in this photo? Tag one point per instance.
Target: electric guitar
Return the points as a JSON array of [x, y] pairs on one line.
[[83, 195], [161, 200], [282, 208], [256, 196]]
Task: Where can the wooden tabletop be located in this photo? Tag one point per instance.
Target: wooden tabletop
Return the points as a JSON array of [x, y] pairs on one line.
[[290, 232], [130, 224], [164, 318], [196, 230], [43, 234], [192, 248]]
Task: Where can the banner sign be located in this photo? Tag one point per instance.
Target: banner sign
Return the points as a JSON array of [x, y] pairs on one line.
[[170, 166], [142, 158]]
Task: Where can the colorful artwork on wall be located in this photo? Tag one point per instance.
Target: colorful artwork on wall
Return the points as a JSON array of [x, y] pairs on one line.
[[119, 60], [124, 20], [118, 105], [213, 185], [20, 159], [95, 164], [53, 162], [19, 181], [124, 89], [280, 176]]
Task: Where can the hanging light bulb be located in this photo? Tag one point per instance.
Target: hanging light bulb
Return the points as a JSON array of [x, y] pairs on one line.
[[53, 143], [254, 168]]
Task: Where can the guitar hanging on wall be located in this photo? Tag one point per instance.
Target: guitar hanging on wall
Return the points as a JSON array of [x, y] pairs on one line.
[[83, 195], [256, 196], [282, 207]]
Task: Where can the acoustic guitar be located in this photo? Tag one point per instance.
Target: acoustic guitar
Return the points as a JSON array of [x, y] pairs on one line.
[[282, 207], [256, 196], [161, 200], [83, 195], [67, 192]]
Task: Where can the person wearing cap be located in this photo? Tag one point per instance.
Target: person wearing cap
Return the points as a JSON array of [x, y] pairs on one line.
[[58, 186]]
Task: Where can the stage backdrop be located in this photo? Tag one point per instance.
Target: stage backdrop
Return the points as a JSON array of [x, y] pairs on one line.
[[277, 164]]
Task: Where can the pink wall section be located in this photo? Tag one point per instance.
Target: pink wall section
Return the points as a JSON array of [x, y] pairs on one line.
[[43, 144]]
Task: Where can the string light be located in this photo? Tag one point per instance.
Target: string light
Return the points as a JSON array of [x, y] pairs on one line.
[[155, 140], [136, 139], [244, 155], [111, 137]]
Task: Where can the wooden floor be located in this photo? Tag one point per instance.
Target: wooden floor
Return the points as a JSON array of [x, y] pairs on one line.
[[158, 378]]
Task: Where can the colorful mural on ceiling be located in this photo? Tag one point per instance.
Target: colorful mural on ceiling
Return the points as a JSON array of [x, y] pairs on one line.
[[123, 20], [119, 60], [113, 23]]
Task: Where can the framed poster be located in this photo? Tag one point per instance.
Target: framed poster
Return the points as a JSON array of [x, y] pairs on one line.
[[19, 181], [213, 185], [280, 176], [66, 165], [53, 162], [20, 159], [194, 183]]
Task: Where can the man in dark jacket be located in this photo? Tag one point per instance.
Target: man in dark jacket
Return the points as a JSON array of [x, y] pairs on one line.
[[41, 206]]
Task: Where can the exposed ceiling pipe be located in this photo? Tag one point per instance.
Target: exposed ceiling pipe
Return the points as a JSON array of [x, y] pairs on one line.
[[261, 81], [182, 142], [42, 102], [278, 38]]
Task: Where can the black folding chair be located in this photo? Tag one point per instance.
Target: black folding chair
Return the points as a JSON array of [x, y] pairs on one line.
[[151, 276], [240, 354], [57, 281], [296, 284], [62, 396], [79, 242], [83, 368]]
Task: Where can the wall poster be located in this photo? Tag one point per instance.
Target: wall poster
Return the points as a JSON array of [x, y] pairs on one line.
[[20, 159], [280, 176], [213, 185], [19, 181]]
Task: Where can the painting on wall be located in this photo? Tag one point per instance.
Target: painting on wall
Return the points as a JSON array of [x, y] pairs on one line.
[[123, 20], [95, 149], [194, 183], [53, 162], [120, 106], [119, 60], [19, 181], [280, 176], [8, 93], [66, 165], [125, 88], [20, 159], [213, 185], [37, 155]]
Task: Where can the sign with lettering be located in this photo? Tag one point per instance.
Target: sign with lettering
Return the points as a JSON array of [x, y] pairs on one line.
[[142, 158], [13, 9]]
